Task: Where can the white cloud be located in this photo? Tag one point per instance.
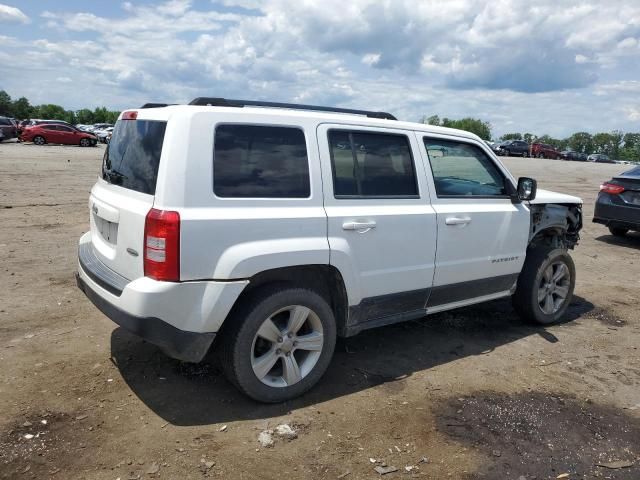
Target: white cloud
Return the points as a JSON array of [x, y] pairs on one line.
[[12, 15], [545, 66]]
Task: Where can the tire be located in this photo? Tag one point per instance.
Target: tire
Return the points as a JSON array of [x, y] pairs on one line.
[[85, 142], [541, 155], [507, 153], [39, 140], [241, 347], [558, 157], [618, 231], [530, 300], [525, 155]]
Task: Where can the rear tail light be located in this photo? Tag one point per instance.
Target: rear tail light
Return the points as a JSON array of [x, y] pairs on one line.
[[611, 188], [130, 115], [162, 245]]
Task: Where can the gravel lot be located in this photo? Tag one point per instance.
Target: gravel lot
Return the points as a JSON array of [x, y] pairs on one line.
[[472, 393]]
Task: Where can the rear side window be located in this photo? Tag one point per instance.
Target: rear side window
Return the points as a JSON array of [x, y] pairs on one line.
[[133, 155], [368, 164], [252, 161]]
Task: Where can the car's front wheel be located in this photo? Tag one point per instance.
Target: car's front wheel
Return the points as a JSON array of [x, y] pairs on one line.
[[84, 142], [618, 231], [545, 286], [279, 343]]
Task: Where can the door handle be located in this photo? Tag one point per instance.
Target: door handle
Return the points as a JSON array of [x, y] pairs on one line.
[[360, 227], [457, 220]]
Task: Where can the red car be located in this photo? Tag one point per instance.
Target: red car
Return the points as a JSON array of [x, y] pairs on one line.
[[543, 150], [55, 133]]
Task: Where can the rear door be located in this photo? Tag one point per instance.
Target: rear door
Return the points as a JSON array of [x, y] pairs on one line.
[[381, 226], [124, 194], [482, 235]]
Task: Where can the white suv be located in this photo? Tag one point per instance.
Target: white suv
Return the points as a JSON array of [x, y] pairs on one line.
[[273, 228]]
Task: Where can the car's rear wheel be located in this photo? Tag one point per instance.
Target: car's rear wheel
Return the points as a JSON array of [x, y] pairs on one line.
[[39, 140], [618, 231], [278, 344], [84, 142], [541, 155], [545, 286]]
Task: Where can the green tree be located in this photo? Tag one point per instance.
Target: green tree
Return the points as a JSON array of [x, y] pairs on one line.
[[50, 111], [432, 120], [22, 109], [473, 125], [85, 116], [528, 137], [581, 142], [608, 143], [511, 136], [5, 104]]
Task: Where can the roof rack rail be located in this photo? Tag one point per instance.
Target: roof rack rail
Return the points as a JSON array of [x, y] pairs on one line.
[[224, 102], [155, 105]]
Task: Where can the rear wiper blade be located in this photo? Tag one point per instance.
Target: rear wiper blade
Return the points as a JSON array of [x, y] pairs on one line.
[[115, 176]]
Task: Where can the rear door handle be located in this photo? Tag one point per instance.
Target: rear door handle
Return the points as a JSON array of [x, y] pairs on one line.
[[457, 220], [360, 227]]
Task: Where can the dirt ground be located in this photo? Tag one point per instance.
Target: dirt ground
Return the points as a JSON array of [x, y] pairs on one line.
[[472, 393]]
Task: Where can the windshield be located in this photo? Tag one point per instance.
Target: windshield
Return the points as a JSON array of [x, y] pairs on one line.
[[133, 155]]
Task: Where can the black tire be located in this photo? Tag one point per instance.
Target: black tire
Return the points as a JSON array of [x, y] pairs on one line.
[[507, 153], [525, 299], [618, 231], [235, 346], [541, 155], [525, 155], [39, 140], [85, 142]]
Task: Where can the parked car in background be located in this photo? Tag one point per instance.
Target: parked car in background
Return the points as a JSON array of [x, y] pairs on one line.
[[56, 133], [575, 156], [103, 134], [618, 203], [544, 150], [514, 147], [599, 158], [9, 128]]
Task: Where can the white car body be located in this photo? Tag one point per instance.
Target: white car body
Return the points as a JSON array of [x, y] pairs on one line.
[[419, 255]]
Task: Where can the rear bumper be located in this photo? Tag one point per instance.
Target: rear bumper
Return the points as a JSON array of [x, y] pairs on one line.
[[613, 212], [179, 344], [182, 318]]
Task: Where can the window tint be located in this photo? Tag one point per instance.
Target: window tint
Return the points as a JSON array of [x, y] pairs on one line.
[[4, 121], [133, 155], [253, 161], [462, 169], [64, 129], [371, 165]]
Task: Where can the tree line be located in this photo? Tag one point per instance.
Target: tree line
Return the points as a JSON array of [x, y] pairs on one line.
[[617, 145], [21, 109]]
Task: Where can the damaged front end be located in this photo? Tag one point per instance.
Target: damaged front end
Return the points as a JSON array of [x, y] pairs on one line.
[[556, 225]]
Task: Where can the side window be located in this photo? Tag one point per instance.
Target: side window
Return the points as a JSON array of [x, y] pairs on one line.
[[4, 121], [368, 164], [64, 129], [463, 170], [251, 161]]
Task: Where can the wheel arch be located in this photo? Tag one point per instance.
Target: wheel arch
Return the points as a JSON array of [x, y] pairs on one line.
[[555, 225], [326, 280]]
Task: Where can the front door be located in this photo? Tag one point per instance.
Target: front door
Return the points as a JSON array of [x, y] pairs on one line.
[[482, 234], [381, 226]]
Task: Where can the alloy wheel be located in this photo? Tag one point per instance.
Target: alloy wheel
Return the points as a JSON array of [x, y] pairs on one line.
[[287, 346], [554, 288]]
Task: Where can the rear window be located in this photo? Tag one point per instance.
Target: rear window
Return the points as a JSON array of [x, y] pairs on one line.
[[252, 161], [133, 155]]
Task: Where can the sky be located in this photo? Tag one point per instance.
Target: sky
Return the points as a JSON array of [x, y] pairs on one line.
[[541, 66]]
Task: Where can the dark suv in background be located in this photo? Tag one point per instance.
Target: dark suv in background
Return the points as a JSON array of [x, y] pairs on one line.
[[513, 147], [8, 128]]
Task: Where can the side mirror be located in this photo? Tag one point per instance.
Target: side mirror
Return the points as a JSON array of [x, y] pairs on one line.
[[527, 188]]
